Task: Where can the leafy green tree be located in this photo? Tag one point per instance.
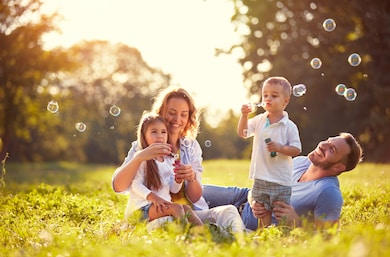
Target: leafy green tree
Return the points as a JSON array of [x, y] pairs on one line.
[[110, 76], [23, 65], [85, 80], [281, 38]]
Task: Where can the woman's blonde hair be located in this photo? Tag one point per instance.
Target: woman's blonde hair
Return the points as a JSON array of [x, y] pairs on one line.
[[160, 107]]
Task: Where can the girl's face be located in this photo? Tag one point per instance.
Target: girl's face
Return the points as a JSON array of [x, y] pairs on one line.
[[156, 132], [274, 98], [177, 115]]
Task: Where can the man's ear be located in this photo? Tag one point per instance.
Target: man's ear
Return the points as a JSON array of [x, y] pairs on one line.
[[338, 168]]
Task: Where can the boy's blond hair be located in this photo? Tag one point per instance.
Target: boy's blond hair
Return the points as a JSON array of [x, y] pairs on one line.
[[280, 81]]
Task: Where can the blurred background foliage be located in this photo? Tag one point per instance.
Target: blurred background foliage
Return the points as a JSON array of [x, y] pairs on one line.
[[278, 38]]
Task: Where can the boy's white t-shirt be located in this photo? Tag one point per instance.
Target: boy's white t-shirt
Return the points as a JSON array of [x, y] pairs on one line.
[[273, 169]]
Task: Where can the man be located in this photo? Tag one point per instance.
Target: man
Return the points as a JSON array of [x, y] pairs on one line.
[[316, 195]]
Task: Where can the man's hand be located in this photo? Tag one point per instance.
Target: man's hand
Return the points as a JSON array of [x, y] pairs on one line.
[[285, 212], [259, 210]]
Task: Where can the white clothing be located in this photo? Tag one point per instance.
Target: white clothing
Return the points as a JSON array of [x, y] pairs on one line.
[[191, 153], [276, 169], [139, 191]]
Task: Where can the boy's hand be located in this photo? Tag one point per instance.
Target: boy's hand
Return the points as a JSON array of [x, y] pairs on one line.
[[246, 109]]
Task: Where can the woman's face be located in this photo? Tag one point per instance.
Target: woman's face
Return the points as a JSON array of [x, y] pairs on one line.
[[177, 115]]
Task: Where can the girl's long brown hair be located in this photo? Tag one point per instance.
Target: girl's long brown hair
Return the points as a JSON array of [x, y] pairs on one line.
[[152, 177]]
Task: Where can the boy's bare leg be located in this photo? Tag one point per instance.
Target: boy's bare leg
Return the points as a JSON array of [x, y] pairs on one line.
[[265, 221]]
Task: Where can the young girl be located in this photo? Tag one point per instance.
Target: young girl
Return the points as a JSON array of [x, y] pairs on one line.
[[154, 181]]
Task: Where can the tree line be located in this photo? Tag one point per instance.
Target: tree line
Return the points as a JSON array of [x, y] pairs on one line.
[[82, 83]]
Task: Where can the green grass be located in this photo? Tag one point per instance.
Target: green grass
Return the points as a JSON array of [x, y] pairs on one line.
[[64, 209]]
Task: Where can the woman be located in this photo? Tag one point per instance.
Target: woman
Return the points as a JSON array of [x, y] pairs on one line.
[[177, 107]]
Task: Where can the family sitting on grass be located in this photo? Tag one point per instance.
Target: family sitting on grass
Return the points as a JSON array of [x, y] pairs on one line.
[[163, 171]]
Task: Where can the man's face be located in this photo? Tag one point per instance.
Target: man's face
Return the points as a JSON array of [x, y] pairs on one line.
[[329, 152]]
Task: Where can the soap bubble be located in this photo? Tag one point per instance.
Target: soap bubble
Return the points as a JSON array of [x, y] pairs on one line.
[[299, 90], [350, 94], [52, 106], [340, 89], [207, 143], [245, 132], [186, 142], [254, 106], [316, 63], [115, 110], [80, 126], [329, 25], [354, 59]]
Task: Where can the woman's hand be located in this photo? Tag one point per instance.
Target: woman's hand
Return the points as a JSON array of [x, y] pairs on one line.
[[184, 172]]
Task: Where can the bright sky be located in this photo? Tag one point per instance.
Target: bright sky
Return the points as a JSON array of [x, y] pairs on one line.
[[177, 36]]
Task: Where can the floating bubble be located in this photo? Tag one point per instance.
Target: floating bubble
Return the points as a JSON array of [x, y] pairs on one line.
[[316, 63], [350, 94], [245, 132], [80, 126], [254, 105], [354, 59], [299, 90], [305, 108], [52, 106], [340, 89], [207, 143], [329, 25], [186, 142], [115, 110]]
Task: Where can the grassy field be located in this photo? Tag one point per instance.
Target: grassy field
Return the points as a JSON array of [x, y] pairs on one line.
[[64, 209]]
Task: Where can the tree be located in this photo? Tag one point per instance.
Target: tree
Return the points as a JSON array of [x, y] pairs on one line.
[[109, 76], [23, 65], [85, 81], [281, 37]]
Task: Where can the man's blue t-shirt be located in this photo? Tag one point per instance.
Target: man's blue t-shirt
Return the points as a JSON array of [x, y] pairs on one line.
[[317, 199]]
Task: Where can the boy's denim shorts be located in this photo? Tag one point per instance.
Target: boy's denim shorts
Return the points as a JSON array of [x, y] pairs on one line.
[[145, 211]]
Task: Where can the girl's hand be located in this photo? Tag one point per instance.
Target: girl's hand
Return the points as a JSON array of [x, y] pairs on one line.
[[158, 203], [154, 151]]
